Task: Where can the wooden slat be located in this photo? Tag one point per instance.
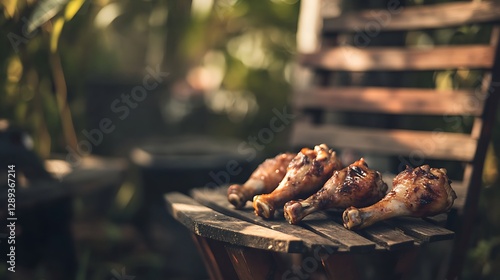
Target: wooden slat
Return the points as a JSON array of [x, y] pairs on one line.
[[398, 59], [217, 200], [439, 220], [416, 144], [381, 233], [324, 225], [208, 223], [417, 17], [422, 230], [388, 237], [390, 100]]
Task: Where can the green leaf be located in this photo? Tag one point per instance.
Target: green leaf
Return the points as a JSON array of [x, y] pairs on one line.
[[44, 11], [56, 33], [9, 7], [72, 8]]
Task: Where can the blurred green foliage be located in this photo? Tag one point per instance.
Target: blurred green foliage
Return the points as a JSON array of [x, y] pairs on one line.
[[232, 58]]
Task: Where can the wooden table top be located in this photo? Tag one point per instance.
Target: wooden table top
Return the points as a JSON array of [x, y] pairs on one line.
[[208, 214]]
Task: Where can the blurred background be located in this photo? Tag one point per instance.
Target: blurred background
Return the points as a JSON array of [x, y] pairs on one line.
[[157, 96]]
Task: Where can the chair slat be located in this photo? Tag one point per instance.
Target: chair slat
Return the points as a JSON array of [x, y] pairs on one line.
[[346, 58], [412, 18], [416, 144], [390, 100]]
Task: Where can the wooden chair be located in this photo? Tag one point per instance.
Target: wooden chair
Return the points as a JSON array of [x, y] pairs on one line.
[[355, 93]]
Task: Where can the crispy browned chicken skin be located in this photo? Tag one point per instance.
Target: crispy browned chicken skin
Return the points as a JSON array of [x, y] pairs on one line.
[[264, 179], [355, 185], [306, 173], [418, 192]]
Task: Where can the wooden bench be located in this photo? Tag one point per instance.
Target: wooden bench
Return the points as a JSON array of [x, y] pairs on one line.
[[237, 244]]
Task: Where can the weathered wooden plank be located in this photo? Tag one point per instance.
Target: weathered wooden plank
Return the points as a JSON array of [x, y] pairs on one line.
[[388, 237], [424, 144], [390, 100], [398, 59], [422, 230], [217, 200], [324, 225], [208, 223], [439, 220], [418, 17]]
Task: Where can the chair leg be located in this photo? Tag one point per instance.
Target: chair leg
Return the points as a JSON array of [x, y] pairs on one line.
[[341, 267], [405, 260], [252, 263], [382, 265], [396, 265], [215, 258]]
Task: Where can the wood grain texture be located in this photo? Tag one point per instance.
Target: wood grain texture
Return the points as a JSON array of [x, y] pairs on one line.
[[390, 100], [324, 231], [417, 17], [347, 58], [388, 237], [215, 258], [208, 223], [421, 144], [341, 267], [217, 200], [422, 230], [322, 224], [252, 264]]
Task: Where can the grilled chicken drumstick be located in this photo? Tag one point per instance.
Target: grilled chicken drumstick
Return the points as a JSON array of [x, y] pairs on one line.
[[264, 179], [306, 173], [418, 192], [355, 185]]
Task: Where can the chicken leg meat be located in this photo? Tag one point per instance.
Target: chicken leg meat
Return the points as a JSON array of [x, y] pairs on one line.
[[355, 185], [306, 174], [417, 192], [264, 179]]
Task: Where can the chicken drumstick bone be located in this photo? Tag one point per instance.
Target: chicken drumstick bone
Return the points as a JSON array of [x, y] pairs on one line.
[[264, 179], [416, 192], [306, 173], [355, 185]]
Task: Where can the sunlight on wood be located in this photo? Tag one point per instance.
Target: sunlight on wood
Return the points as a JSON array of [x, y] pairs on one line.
[[308, 28], [182, 207]]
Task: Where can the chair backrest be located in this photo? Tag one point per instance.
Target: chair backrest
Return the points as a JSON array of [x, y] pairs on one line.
[[361, 91]]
